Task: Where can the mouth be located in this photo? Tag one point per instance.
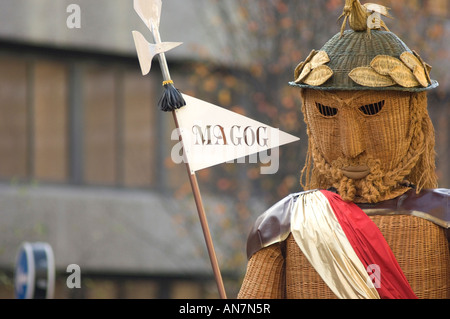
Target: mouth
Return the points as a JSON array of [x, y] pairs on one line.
[[355, 172]]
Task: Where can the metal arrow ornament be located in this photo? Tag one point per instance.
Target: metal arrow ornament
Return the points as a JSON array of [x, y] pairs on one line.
[[150, 12]]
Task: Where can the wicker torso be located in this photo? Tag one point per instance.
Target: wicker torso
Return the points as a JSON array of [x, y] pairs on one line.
[[421, 248]]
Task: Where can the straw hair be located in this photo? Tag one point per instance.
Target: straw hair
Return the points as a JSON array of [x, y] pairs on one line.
[[417, 165]]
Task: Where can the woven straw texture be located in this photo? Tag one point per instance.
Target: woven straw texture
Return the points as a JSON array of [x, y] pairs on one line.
[[265, 277], [421, 249], [358, 132], [356, 49], [355, 130]]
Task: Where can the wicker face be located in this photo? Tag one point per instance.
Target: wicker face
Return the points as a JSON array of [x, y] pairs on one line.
[[357, 126], [358, 138]]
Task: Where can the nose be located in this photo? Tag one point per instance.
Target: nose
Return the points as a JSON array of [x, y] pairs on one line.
[[351, 134]]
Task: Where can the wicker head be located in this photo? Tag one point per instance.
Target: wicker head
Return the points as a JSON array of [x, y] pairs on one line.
[[345, 128], [351, 57]]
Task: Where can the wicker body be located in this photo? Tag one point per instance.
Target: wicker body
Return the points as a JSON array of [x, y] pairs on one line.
[[421, 248]]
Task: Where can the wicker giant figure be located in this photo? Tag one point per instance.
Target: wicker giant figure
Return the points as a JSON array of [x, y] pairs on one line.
[[372, 223]]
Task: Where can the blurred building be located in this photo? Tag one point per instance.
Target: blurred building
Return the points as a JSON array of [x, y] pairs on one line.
[[81, 144]]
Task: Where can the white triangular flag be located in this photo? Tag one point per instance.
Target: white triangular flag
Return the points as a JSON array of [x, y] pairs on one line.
[[212, 135]]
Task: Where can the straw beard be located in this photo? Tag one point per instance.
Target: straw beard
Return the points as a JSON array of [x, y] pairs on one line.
[[416, 166], [370, 189]]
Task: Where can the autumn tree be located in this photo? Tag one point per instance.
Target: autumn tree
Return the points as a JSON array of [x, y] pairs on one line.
[[260, 43]]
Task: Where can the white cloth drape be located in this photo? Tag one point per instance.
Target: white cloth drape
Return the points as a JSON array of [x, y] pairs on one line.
[[322, 240]]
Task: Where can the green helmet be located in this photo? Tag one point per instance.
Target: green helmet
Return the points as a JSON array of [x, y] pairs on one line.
[[355, 60]]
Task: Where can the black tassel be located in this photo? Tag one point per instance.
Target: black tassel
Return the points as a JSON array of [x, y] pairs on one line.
[[171, 98]]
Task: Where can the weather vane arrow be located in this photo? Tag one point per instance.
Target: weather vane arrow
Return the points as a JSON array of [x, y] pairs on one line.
[[150, 12], [171, 100]]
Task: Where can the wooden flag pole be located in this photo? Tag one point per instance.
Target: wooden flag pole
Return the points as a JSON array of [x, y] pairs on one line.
[[194, 184], [149, 11], [204, 223]]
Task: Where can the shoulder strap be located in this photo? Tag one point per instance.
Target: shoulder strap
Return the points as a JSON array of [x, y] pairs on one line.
[[274, 225]]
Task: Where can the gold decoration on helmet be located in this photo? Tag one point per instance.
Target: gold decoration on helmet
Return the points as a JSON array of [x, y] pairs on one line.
[[384, 64], [301, 65], [363, 17], [420, 69], [384, 71], [366, 76], [404, 77], [313, 70], [318, 76]]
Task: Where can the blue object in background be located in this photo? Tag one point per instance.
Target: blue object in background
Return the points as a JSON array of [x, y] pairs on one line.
[[35, 272]]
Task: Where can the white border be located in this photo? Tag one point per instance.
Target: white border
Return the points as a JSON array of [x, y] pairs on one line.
[[50, 271], [31, 271]]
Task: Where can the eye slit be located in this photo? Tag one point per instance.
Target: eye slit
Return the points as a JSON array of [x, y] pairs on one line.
[[326, 110], [372, 109]]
